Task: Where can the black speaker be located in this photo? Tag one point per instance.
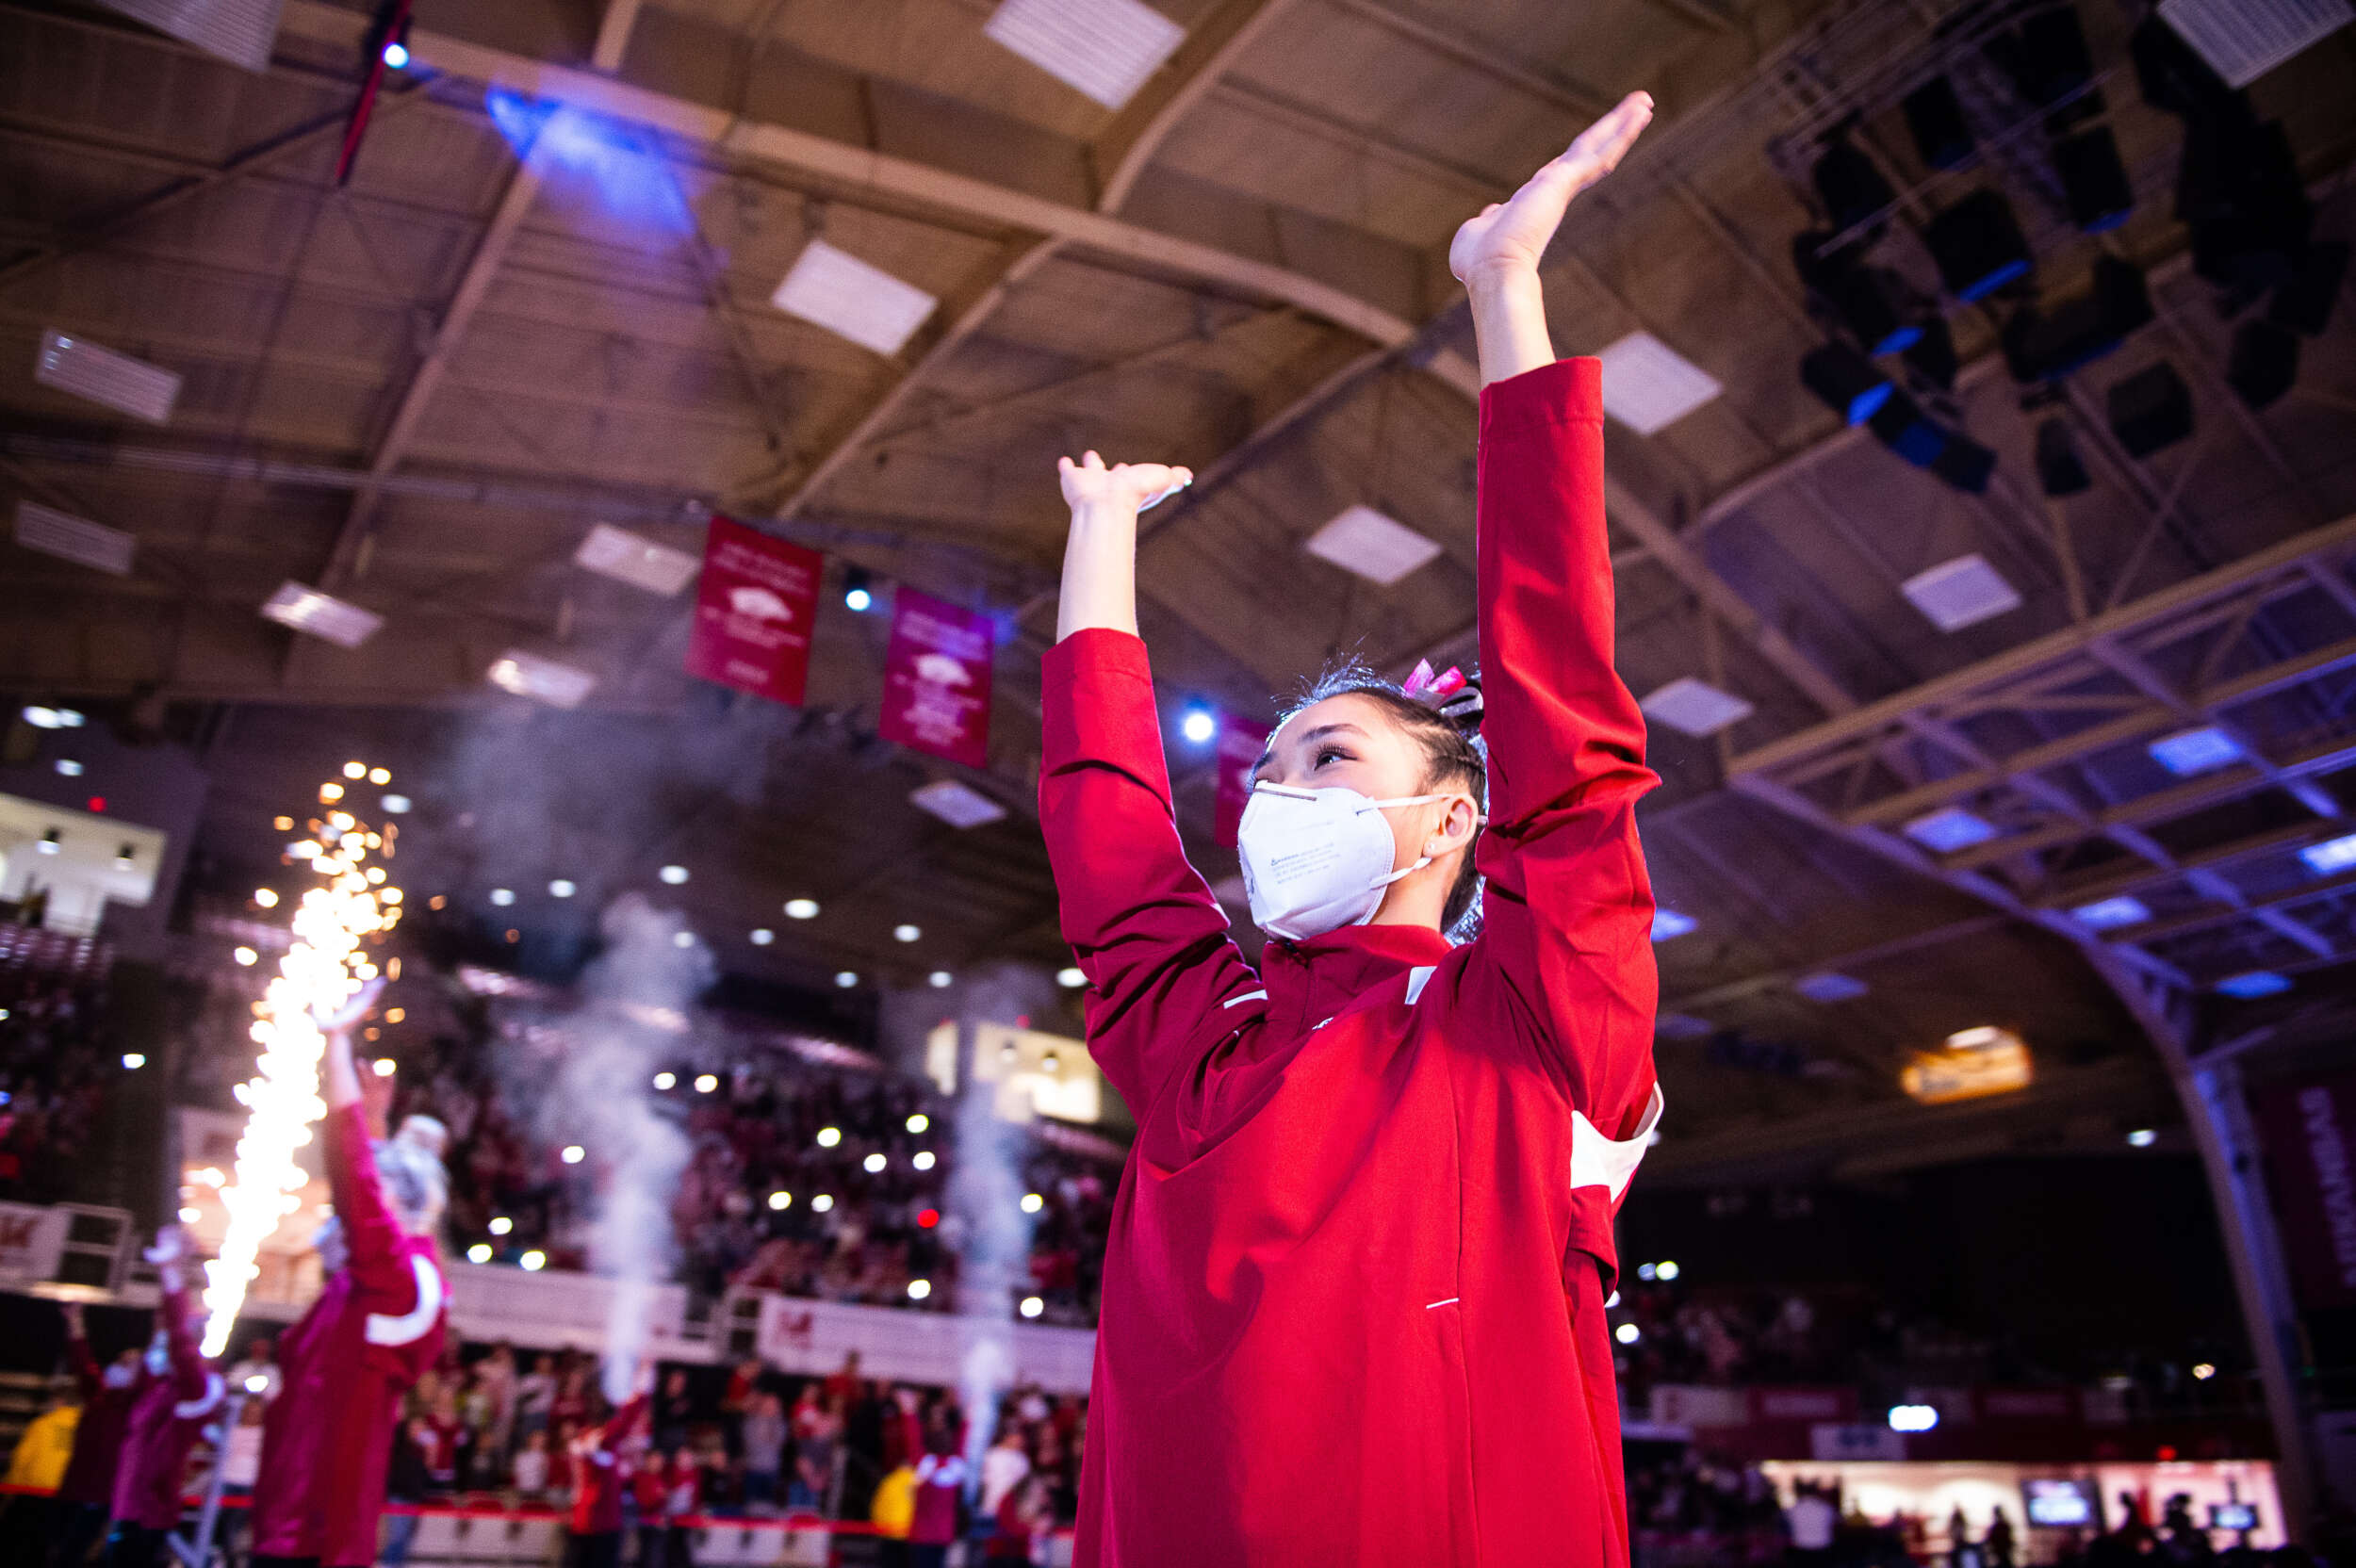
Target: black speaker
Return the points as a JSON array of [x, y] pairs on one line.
[[1851, 385], [2058, 470], [1964, 463], [2239, 189], [2303, 303], [2041, 345], [1878, 308], [1900, 425], [2150, 409], [2264, 364], [1935, 119], [2094, 181], [2173, 77], [2046, 57], [1932, 357], [1978, 245], [1852, 189]]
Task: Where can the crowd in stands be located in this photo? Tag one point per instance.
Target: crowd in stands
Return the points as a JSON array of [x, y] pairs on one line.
[[55, 1069], [863, 1162]]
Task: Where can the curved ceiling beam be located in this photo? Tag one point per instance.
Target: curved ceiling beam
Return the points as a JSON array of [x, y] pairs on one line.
[[1122, 152], [974, 201]]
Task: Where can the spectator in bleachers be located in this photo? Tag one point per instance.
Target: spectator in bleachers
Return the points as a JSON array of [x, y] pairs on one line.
[[763, 1435]]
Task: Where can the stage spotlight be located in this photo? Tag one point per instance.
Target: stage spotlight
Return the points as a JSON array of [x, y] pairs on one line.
[[2150, 410], [1853, 189], [2240, 192], [1978, 245], [2094, 181], [1850, 385], [2058, 470], [1935, 119], [2264, 364], [2046, 57], [1199, 726], [2045, 345], [858, 593]]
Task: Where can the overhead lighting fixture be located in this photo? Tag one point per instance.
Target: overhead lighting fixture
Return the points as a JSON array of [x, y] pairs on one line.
[[239, 31], [834, 289], [394, 806], [574, 1153], [77, 539], [2333, 854], [1960, 593], [627, 557], [1650, 386], [845, 979], [956, 803], [801, 908], [478, 1252], [1071, 977], [1682, 1026], [707, 1082], [940, 979], [2243, 39], [1949, 829], [858, 592], [323, 615], [102, 376], [2110, 913], [2150, 410], [1913, 1418], [2142, 1137], [1978, 246], [673, 876], [396, 55], [533, 1262], [2196, 751], [502, 896], [1379, 549], [1695, 707], [1105, 49], [68, 767], [528, 675], [1827, 986], [762, 936], [2252, 984], [52, 718], [1980, 1036], [1668, 924], [907, 933], [1628, 1333], [561, 887], [1200, 726]]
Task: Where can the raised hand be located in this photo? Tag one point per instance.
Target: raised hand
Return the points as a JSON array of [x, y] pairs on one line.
[[354, 1008], [172, 1245], [1133, 485], [1512, 235]]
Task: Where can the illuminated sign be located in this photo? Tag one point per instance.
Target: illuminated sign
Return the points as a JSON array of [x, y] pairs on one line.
[[1976, 1062]]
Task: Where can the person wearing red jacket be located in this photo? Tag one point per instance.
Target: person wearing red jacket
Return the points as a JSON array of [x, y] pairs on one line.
[[372, 1334], [594, 1531], [1353, 1298], [178, 1392], [86, 1493]]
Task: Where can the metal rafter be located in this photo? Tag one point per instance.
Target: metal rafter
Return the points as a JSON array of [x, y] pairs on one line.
[[1123, 149]]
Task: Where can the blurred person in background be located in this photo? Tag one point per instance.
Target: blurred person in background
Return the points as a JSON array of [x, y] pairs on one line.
[[1025, 1516], [178, 1395], [86, 1495], [940, 1493], [762, 1437], [529, 1475], [536, 1396], [1811, 1524], [681, 1499], [241, 1466], [594, 1528], [39, 1461], [408, 1478]]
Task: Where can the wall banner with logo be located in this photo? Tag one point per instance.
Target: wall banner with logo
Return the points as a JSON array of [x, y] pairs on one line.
[[2310, 1133], [755, 608], [937, 678]]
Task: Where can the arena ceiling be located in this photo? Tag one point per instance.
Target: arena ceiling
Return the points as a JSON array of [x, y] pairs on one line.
[[419, 389]]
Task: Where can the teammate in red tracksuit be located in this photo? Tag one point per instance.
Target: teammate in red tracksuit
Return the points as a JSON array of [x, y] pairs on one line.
[[1353, 1302], [178, 1392], [86, 1495], [594, 1531], [374, 1331]]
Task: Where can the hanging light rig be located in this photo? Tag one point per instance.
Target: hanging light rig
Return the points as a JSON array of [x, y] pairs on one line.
[[335, 926], [387, 49]]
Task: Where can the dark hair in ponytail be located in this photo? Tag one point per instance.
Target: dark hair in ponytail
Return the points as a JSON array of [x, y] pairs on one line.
[[1449, 729]]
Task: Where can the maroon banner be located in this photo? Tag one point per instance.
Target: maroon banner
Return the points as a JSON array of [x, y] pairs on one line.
[[937, 678], [754, 612], [1240, 744], [2310, 1133]]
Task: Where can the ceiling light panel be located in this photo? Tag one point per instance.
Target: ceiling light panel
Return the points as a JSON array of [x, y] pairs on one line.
[[76, 539], [128, 386], [239, 31], [1695, 707], [627, 557], [1949, 829], [958, 804], [1650, 386], [528, 675], [1106, 49], [1379, 549], [2243, 39], [1960, 593], [834, 289], [320, 614]]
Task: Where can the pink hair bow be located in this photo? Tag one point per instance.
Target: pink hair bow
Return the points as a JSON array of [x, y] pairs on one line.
[[1433, 687]]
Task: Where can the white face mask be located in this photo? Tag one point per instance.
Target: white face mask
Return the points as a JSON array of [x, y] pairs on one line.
[[1314, 861]]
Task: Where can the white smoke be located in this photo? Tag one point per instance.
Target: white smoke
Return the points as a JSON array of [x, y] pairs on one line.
[[598, 1092]]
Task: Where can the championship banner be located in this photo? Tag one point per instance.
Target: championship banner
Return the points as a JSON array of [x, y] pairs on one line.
[[2310, 1133], [754, 612], [937, 678], [1240, 742]]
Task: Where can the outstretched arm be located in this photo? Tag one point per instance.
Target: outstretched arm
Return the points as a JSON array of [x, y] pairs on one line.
[[371, 1234], [1146, 931], [1565, 956], [188, 1364]]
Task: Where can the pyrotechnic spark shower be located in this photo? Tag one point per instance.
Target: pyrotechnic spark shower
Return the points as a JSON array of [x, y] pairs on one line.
[[327, 962]]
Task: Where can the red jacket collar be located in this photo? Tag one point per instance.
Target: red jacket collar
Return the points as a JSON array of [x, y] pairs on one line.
[[1319, 977]]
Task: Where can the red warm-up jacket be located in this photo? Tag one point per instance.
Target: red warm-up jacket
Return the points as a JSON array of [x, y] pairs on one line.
[[599, 1475], [1352, 1305], [372, 1334], [89, 1474], [171, 1408]]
